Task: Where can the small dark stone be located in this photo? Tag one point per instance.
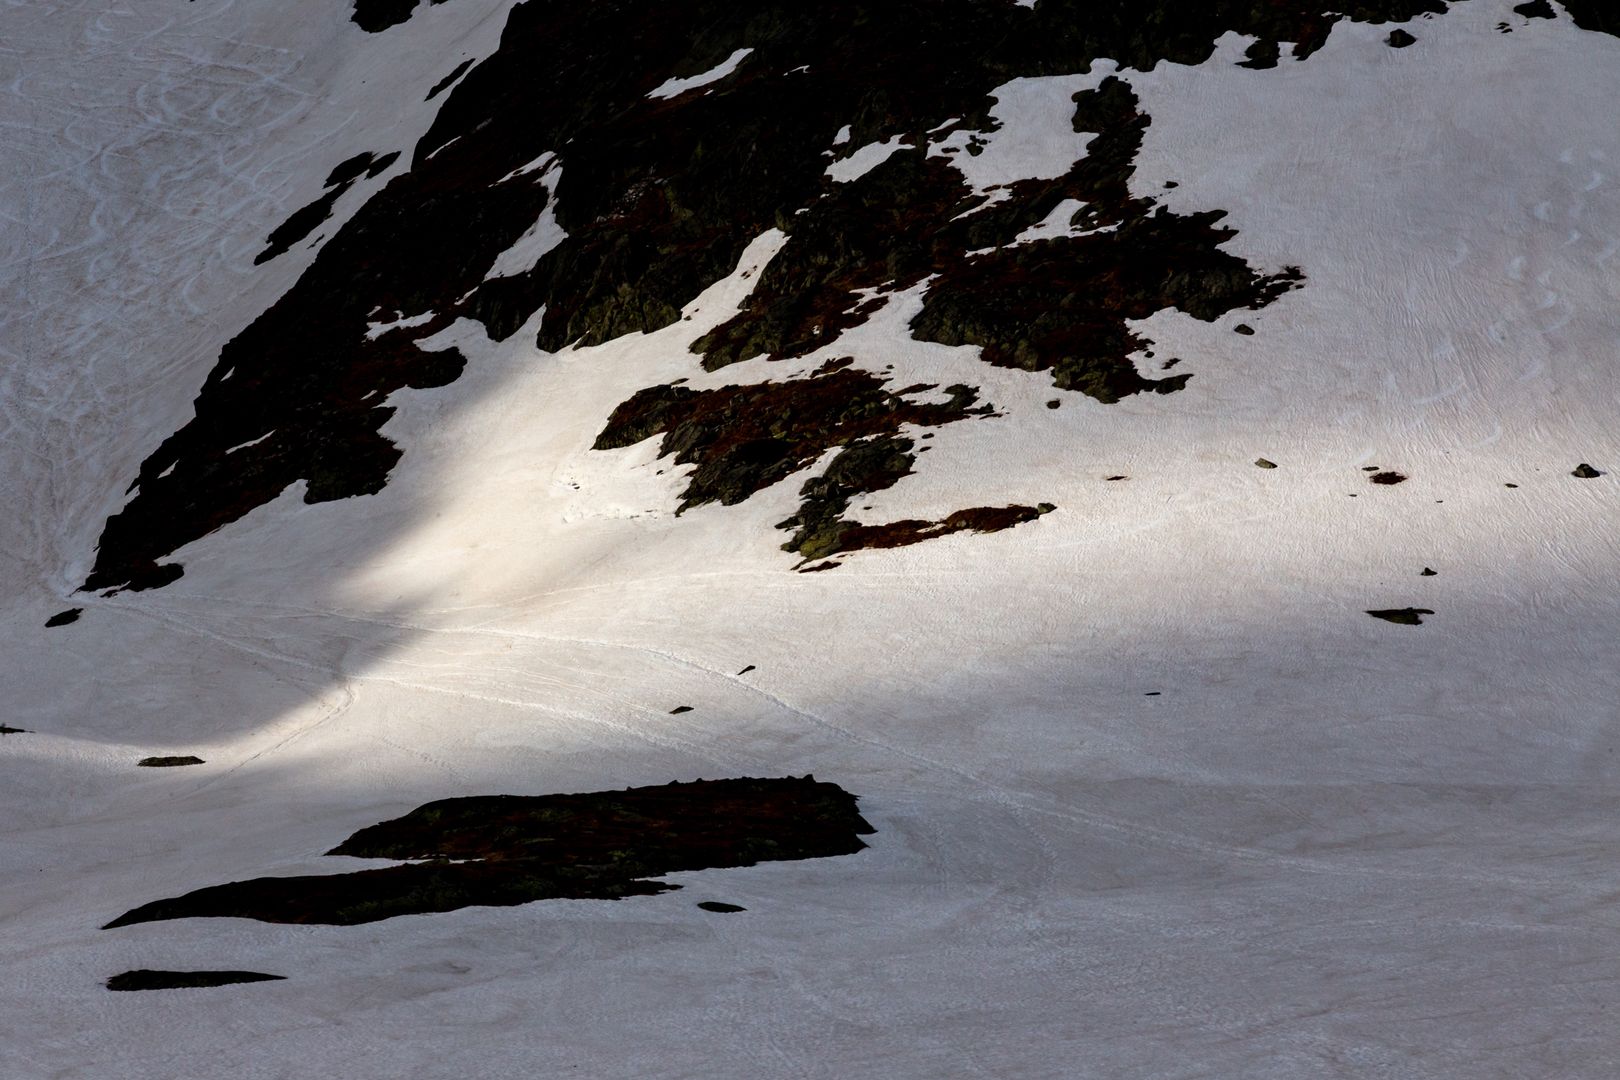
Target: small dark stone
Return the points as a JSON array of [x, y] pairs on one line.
[[1369, 468], [1410, 616], [1153, 693], [677, 710], [4, 730], [1426, 572], [62, 618], [145, 979], [1387, 478], [1511, 485], [1243, 328], [1116, 478], [168, 762], [725, 909], [1045, 508], [1400, 39], [1171, 184], [1263, 463], [1054, 404], [830, 564], [746, 670], [1586, 472]]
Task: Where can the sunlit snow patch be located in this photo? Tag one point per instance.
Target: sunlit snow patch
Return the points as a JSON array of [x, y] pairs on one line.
[[675, 87]]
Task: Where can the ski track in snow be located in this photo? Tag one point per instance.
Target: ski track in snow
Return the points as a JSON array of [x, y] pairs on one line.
[[1136, 831]]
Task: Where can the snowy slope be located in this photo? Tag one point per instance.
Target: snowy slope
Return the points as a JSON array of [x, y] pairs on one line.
[[1153, 795]]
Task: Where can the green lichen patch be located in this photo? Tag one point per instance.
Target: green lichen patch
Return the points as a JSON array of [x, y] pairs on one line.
[[503, 850]]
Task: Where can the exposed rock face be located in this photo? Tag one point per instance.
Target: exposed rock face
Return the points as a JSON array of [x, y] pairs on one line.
[[502, 850], [656, 197], [375, 16], [1402, 616], [147, 979]]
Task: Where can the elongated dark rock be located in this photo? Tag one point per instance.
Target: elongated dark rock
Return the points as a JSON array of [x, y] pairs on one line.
[[147, 979], [502, 850]]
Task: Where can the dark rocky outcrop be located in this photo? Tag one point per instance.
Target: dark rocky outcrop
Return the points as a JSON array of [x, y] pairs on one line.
[[449, 80], [502, 850], [146, 979], [1602, 16], [742, 439], [303, 221], [375, 16], [1403, 616], [659, 197]]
